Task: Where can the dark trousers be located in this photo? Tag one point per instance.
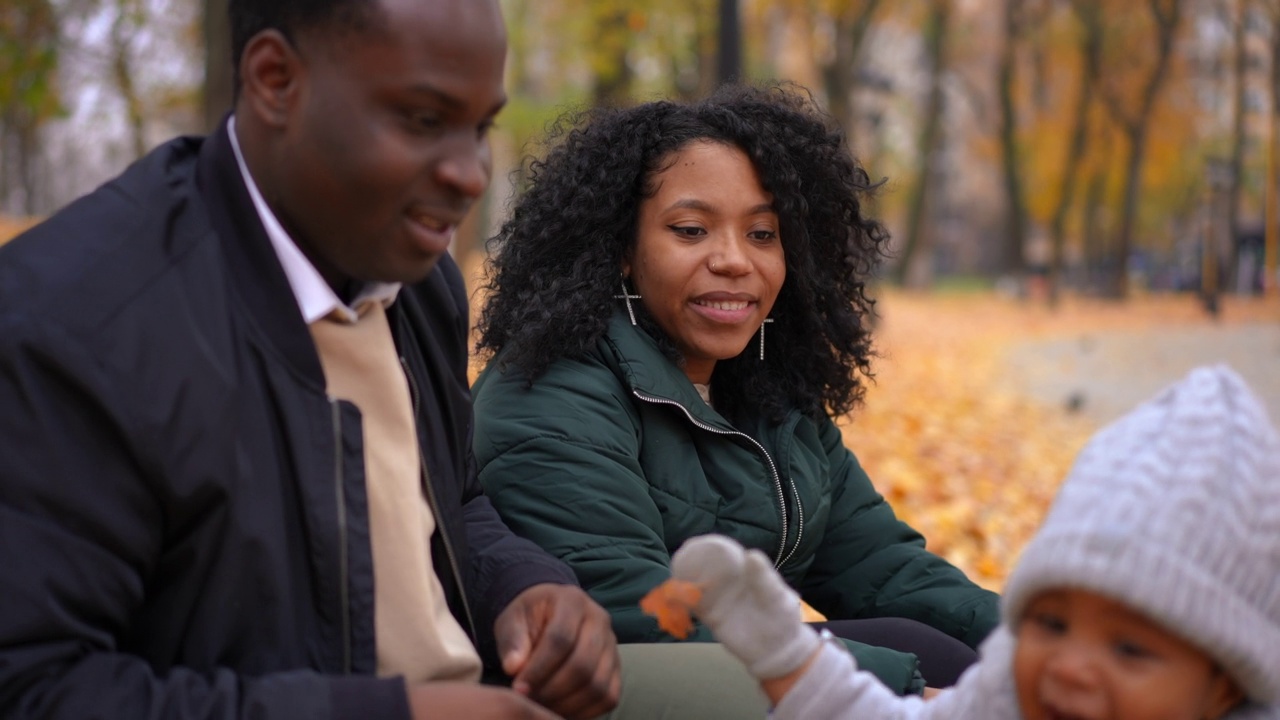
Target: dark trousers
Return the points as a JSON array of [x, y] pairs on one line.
[[942, 657]]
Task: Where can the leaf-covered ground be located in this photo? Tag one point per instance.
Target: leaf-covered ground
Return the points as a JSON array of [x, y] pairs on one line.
[[949, 432], [11, 226]]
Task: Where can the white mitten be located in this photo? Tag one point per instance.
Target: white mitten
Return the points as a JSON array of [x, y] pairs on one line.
[[747, 604]]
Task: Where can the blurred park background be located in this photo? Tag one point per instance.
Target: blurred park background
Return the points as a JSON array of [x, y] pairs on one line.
[[1082, 193]]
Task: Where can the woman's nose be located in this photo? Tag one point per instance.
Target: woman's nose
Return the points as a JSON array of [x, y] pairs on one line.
[[729, 257]]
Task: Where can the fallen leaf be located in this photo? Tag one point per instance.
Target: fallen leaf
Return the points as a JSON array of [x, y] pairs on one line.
[[671, 603]]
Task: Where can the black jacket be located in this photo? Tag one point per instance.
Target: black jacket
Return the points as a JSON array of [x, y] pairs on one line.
[[183, 524]]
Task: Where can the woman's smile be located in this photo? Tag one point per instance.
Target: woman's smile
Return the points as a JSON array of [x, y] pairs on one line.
[[724, 310]]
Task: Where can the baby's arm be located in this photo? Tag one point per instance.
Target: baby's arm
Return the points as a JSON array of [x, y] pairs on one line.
[[756, 616], [832, 688]]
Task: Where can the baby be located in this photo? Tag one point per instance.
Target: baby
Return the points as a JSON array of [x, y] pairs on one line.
[[1152, 591]]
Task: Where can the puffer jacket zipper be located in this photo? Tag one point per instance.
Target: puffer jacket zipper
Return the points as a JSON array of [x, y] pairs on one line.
[[783, 555], [343, 561], [435, 506]]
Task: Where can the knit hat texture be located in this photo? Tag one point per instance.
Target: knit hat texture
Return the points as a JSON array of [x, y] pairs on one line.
[[1174, 510]]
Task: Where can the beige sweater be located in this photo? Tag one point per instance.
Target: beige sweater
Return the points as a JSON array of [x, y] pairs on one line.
[[417, 636]]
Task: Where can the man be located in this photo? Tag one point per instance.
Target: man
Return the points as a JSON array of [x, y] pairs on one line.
[[204, 511], [235, 467]]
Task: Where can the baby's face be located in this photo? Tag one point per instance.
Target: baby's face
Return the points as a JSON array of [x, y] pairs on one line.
[[1081, 656]]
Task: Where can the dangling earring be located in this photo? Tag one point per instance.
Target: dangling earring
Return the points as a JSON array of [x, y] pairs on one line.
[[627, 297], [766, 322]]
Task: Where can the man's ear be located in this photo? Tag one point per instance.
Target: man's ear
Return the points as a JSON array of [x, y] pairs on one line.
[[270, 75], [1224, 695]]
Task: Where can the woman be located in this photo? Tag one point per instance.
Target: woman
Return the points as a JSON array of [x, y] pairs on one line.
[[677, 312]]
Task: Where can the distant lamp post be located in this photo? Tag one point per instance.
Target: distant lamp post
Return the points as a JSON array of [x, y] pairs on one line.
[[1219, 177]]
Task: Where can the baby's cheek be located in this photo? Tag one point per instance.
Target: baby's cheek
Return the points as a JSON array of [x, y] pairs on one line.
[[1024, 675]]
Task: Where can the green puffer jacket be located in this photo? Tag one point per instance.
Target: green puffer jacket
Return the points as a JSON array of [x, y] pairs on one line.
[[612, 461]]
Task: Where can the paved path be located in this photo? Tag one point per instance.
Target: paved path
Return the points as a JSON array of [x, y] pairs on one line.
[[1104, 374]]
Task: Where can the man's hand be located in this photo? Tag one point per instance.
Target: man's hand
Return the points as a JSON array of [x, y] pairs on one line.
[[469, 700], [559, 647]]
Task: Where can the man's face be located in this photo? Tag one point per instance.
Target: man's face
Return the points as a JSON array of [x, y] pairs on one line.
[[386, 144], [1081, 656]]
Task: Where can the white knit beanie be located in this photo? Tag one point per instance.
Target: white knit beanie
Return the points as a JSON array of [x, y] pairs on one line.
[[1174, 510]]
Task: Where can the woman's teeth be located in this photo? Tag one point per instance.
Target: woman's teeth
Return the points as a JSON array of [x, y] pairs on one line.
[[722, 305]]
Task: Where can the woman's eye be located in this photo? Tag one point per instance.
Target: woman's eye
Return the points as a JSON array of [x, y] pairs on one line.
[[687, 230], [762, 235]]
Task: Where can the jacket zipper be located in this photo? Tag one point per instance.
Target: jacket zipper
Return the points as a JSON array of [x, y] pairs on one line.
[[435, 506], [799, 523], [783, 556], [343, 561]]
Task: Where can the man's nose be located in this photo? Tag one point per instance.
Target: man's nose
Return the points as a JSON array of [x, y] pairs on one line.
[[465, 165]]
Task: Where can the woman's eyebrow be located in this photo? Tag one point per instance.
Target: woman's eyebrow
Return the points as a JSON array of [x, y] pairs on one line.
[[692, 204], [704, 206]]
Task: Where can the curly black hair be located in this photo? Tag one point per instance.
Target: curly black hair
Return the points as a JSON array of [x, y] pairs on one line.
[[554, 266]]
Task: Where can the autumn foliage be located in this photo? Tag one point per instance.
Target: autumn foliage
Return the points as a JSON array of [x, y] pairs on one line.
[[948, 433]]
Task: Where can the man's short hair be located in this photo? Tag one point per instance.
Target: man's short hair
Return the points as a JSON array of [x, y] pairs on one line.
[[250, 17]]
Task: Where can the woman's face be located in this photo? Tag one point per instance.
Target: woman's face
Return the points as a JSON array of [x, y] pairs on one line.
[[708, 260]]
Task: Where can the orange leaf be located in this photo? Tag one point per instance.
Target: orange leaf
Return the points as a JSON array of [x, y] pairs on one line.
[[671, 603]]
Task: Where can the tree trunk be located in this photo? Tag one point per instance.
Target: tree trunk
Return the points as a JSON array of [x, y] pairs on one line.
[[217, 95], [917, 248], [123, 29], [1271, 200], [1011, 257], [28, 145], [1095, 250], [1117, 286], [1236, 181], [729, 46], [1090, 62], [841, 76]]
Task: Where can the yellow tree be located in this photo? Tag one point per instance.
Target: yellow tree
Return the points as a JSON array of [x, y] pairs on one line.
[[29, 95], [1131, 106]]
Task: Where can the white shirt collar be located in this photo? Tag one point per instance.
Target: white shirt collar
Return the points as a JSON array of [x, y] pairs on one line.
[[315, 298]]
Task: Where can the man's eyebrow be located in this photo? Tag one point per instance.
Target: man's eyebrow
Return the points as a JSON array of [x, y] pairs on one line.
[[452, 103]]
